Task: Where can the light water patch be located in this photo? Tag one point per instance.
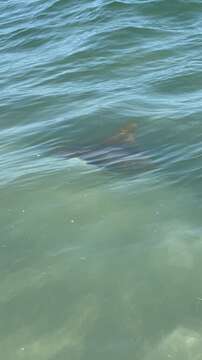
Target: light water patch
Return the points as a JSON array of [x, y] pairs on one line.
[[126, 262], [181, 344]]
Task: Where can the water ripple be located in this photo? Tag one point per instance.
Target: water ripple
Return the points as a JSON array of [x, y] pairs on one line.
[[73, 73]]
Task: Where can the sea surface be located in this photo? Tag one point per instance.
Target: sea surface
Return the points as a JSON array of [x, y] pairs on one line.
[[101, 179]]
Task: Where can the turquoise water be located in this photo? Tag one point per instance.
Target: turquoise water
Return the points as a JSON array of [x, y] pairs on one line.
[[100, 254]]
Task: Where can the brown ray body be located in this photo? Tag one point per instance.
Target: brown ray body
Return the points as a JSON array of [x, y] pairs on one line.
[[118, 152]]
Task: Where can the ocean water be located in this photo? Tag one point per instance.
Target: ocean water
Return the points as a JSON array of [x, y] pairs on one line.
[[100, 179]]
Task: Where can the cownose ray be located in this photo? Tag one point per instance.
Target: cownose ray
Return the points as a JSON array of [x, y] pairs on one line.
[[119, 152]]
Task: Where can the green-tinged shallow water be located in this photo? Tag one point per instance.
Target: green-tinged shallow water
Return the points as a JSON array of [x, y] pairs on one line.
[[100, 257]]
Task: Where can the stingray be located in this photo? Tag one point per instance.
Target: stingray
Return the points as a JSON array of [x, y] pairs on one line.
[[119, 152]]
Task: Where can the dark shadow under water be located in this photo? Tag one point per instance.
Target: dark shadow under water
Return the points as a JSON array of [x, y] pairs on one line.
[[119, 153]]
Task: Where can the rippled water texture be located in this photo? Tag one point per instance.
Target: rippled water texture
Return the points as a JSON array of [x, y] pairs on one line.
[[100, 179]]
